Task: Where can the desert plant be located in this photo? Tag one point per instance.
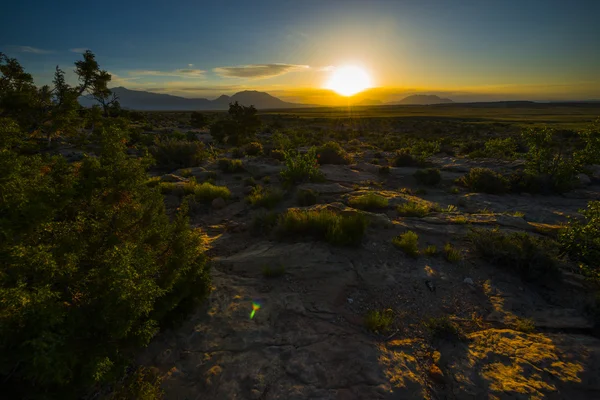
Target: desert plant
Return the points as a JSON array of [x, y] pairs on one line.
[[238, 127], [369, 201], [253, 148], [237, 152], [332, 153], [335, 228], [408, 242], [451, 254], [301, 168], [172, 153], [268, 198], [264, 222], [403, 158], [443, 328], [379, 321], [525, 325], [429, 176], [277, 154], [413, 209], [484, 180], [532, 257], [430, 250], [306, 197], [230, 166], [207, 192], [500, 148], [141, 384]]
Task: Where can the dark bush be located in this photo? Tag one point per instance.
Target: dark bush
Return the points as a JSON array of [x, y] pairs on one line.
[[306, 197], [254, 149], [484, 180], [230, 166], [332, 153], [429, 176], [172, 153], [580, 240], [403, 158]]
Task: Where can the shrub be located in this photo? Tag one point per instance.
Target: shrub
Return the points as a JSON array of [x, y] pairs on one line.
[[306, 197], [337, 229], [429, 176], [277, 154], [142, 384], [443, 328], [413, 209], [530, 256], [237, 152], [268, 198], [484, 180], [249, 181], [254, 148], [91, 266], [525, 325], [198, 120], [265, 222], [273, 272], [301, 168], [580, 240], [238, 127], [369, 201], [403, 158], [408, 242], [230, 166], [332, 153], [206, 192], [172, 153], [379, 321], [500, 148], [430, 250], [451, 254]]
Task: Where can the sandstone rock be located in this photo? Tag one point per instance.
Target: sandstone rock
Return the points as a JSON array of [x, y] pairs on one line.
[[344, 173], [172, 178], [218, 203]]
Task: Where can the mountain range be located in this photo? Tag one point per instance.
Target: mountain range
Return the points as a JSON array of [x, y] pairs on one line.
[[149, 101]]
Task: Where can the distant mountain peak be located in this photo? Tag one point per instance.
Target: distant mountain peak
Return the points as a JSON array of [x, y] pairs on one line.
[[423, 99]]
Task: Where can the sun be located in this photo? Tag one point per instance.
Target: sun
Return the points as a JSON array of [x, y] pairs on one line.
[[348, 80]]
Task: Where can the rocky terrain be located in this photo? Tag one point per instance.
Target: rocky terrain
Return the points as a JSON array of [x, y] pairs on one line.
[[509, 338]]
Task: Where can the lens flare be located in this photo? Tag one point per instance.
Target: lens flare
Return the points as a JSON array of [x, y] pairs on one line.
[[255, 307]]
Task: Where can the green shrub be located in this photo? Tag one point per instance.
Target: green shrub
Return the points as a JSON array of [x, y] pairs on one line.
[[451, 254], [379, 321], [268, 198], [337, 229], [369, 201], [172, 153], [238, 127], [443, 328], [273, 272], [403, 158], [301, 168], [580, 240], [91, 265], [484, 180], [430, 250], [142, 384], [408, 242], [429, 176], [277, 154], [236, 152], [254, 148], [230, 166], [206, 192], [306, 197], [525, 325], [501, 148], [413, 209], [425, 148], [532, 257], [332, 153], [249, 181]]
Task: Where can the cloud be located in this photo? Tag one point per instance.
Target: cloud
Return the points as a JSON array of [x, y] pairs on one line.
[[78, 50], [190, 65], [258, 70], [29, 49], [181, 73]]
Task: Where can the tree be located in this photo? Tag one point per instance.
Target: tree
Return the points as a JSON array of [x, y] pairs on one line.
[[198, 120], [239, 127]]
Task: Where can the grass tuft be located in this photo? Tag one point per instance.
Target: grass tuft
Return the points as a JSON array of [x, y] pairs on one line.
[[379, 321], [408, 242], [369, 201], [268, 198], [451, 254]]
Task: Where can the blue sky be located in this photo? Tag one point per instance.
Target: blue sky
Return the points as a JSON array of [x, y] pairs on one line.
[[484, 49]]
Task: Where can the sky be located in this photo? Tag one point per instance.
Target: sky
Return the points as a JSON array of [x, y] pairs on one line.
[[463, 49]]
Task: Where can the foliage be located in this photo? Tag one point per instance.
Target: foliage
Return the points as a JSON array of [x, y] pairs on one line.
[[142, 384], [230, 166], [306, 197], [369, 201], [206, 192], [501, 148], [268, 198], [484, 180], [238, 127], [532, 257], [91, 264], [172, 153], [451, 254], [198, 120], [403, 158], [413, 209], [277, 154], [379, 321], [425, 148], [264, 222], [428, 176], [408, 242], [430, 250], [443, 328], [580, 240], [253, 148], [335, 228], [525, 325], [301, 168], [332, 153]]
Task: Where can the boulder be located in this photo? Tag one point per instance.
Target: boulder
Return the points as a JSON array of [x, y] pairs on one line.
[[218, 203], [583, 180]]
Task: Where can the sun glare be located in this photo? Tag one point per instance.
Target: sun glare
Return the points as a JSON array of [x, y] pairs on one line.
[[348, 80]]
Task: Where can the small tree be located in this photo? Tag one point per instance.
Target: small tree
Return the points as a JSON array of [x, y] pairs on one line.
[[238, 127], [198, 120]]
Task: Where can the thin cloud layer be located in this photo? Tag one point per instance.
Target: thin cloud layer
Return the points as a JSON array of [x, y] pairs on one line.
[[30, 49], [78, 50], [258, 70], [181, 73]]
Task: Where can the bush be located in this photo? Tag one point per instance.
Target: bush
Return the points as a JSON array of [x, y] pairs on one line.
[[306, 197], [403, 158], [379, 321], [444, 329], [484, 180], [337, 229], [301, 168], [277, 154], [264, 222], [172, 153], [198, 120], [530, 256], [369, 201], [451, 254], [268, 198], [408, 242], [429, 176], [236, 152], [332, 153], [91, 265], [230, 166], [580, 240], [142, 384], [238, 127], [206, 192], [254, 148], [430, 250], [500, 148], [413, 209]]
